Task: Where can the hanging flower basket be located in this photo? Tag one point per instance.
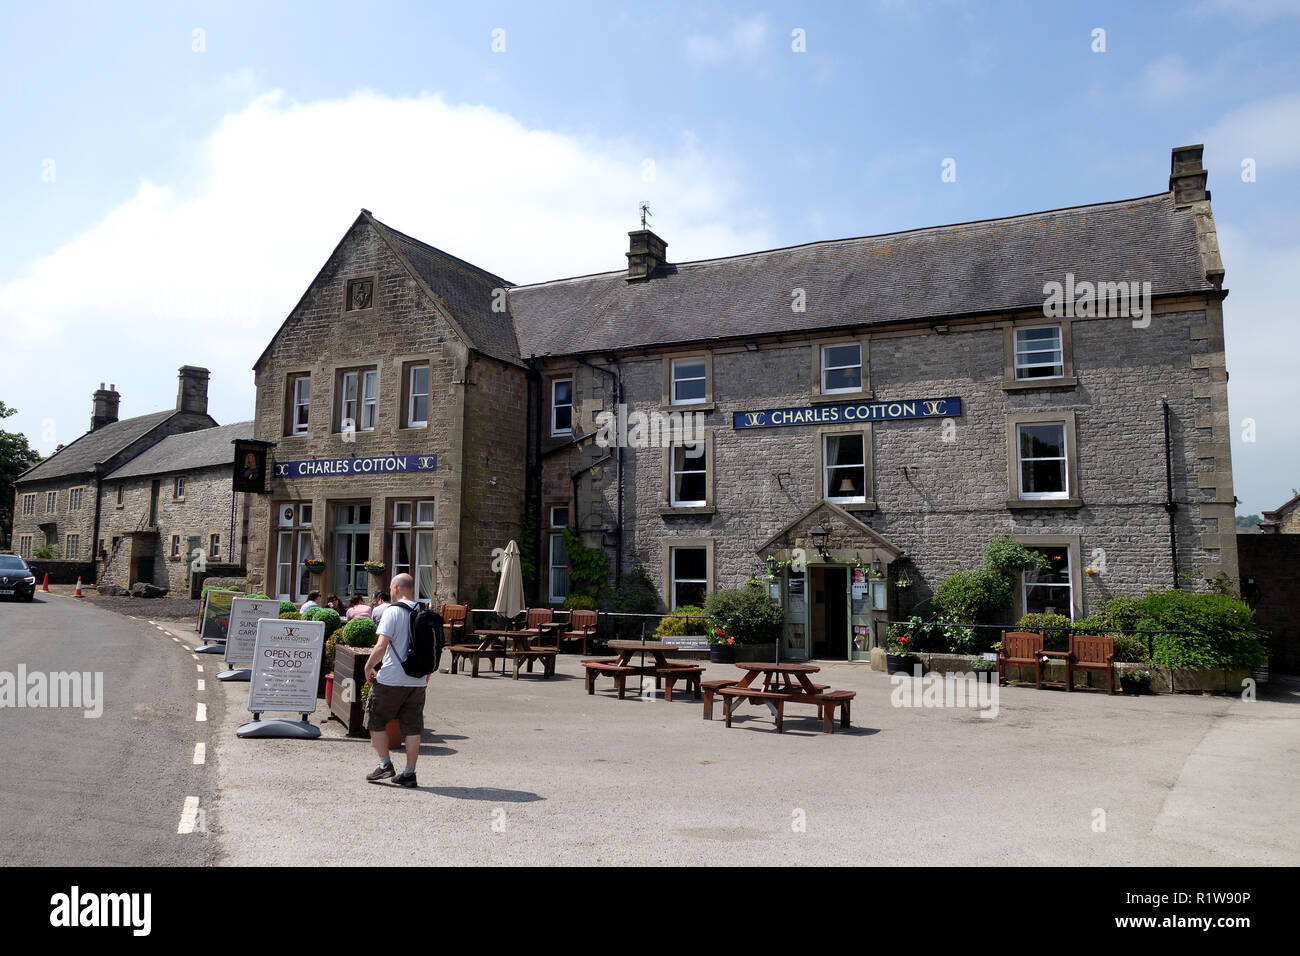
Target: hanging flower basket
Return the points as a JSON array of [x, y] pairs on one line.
[[314, 565], [374, 567]]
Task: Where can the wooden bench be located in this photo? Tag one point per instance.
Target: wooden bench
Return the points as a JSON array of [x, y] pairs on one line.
[[529, 654], [1090, 653], [755, 694], [691, 673], [617, 671], [711, 687], [473, 653], [829, 701], [1021, 649]]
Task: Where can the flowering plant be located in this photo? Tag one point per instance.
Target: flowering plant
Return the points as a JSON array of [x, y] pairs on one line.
[[1138, 675], [374, 567], [717, 635], [315, 565], [899, 645]]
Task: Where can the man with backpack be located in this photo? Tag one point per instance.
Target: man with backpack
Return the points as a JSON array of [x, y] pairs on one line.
[[398, 670]]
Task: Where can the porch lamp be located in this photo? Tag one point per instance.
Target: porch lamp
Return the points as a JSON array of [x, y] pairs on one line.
[[875, 565], [819, 536], [771, 564]]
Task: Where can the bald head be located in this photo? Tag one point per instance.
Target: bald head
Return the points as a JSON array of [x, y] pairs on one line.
[[403, 587]]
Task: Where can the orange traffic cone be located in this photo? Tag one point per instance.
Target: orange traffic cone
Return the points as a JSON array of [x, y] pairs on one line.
[[45, 585], [77, 593]]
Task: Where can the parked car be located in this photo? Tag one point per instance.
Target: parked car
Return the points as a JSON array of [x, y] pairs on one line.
[[16, 578]]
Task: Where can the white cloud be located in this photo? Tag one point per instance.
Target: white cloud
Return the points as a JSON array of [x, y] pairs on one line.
[[1165, 80], [203, 271], [746, 38], [1264, 132]]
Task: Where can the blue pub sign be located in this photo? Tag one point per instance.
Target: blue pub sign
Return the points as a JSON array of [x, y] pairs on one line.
[[873, 411], [339, 467]]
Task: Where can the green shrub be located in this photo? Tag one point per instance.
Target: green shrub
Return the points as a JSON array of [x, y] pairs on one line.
[[747, 614], [329, 653], [1122, 613], [290, 616], [972, 597], [288, 607], [44, 552], [1129, 648], [1211, 630], [360, 632], [579, 602], [1007, 557], [258, 597], [635, 594], [1057, 623], [588, 568], [333, 621], [686, 620]]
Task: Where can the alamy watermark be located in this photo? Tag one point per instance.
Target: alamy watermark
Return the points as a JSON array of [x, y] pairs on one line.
[[977, 689], [1105, 300], [82, 690], [653, 429]]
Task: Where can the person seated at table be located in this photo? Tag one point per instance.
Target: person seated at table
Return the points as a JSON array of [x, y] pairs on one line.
[[334, 604], [313, 600], [382, 600], [356, 608]]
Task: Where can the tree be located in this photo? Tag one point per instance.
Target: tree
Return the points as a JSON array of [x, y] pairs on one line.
[[16, 456]]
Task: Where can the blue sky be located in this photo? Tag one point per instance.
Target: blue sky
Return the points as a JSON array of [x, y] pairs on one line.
[[200, 189]]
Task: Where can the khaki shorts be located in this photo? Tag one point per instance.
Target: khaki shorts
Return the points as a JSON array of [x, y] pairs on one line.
[[387, 702]]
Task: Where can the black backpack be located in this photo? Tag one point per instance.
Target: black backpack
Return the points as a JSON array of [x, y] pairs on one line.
[[425, 644]]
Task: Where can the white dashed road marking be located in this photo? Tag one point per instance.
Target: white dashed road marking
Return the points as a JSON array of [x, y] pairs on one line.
[[200, 753], [202, 712], [189, 815], [200, 683], [200, 667]]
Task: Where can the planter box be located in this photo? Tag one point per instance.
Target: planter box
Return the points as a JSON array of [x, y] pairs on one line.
[[349, 666], [756, 652]]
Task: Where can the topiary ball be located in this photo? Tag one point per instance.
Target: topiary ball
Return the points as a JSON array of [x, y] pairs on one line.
[[360, 632], [288, 607], [333, 620]]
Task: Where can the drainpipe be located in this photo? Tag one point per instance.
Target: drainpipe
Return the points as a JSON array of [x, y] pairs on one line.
[[618, 468], [1171, 506]]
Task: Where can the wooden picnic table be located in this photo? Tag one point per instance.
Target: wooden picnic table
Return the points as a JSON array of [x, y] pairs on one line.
[[789, 683], [776, 677], [621, 667], [628, 649], [519, 641]]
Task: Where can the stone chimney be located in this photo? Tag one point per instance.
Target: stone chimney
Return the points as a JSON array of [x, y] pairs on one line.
[[104, 410], [192, 396], [646, 253], [1186, 176]]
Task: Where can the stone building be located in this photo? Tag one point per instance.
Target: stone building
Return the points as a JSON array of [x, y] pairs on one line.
[[879, 407], [396, 399], [171, 513], [1270, 581], [58, 502]]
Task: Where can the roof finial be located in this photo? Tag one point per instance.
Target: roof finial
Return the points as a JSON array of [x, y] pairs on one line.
[[645, 211]]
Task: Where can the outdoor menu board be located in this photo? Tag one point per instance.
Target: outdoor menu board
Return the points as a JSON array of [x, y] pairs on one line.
[[286, 665], [241, 633], [216, 614]]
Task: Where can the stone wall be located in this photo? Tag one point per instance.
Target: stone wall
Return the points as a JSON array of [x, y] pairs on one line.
[[53, 526], [203, 511], [942, 500]]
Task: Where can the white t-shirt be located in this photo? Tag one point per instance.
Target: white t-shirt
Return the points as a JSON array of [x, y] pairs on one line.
[[396, 626], [307, 606]]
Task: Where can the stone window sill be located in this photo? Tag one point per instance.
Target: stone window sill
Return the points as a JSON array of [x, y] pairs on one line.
[[1023, 384], [1026, 503], [845, 397], [691, 407], [668, 510]]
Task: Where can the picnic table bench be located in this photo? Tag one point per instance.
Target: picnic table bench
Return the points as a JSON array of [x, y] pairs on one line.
[[473, 653], [665, 672], [778, 690]]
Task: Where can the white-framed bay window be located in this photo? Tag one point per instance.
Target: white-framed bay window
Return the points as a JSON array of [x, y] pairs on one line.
[[414, 538], [557, 561]]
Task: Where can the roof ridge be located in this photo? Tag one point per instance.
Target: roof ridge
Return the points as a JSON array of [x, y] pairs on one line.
[[848, 239], [84, 435], [442, 252]]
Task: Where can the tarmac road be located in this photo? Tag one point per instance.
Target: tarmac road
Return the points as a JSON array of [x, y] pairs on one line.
[[109, 790]]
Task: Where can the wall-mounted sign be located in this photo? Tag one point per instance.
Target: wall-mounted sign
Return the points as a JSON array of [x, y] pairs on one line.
[[250, 467], [351, 467], [849, 413]]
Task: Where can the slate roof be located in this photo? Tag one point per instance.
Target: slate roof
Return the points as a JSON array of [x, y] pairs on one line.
[[187, 451], [944, 271], [96, 447], [465, 290]]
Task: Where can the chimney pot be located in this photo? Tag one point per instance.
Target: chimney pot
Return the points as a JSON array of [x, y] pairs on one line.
[[192, 391], [646, 254], [1187, 178]]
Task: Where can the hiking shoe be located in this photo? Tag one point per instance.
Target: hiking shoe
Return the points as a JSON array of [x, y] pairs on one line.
[[382, 772], [405, 779]]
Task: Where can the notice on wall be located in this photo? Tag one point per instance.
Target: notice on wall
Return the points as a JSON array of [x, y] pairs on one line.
[[241, 633], [215, 619], [286, 665]]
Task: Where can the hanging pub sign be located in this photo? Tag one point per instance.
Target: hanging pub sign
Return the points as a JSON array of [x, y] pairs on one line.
[[250, 467], [849, 413], [340, 467]]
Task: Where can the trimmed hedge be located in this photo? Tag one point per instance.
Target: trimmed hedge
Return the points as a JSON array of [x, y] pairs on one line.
[[360, 632], [747, 614], [678, 624]]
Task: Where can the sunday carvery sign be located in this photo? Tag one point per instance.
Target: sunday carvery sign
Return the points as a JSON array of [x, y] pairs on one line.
[[849, 412]]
